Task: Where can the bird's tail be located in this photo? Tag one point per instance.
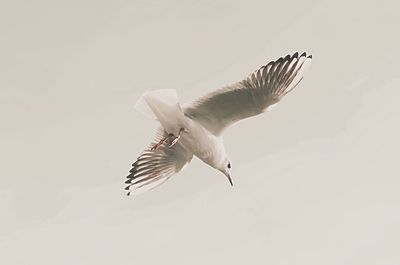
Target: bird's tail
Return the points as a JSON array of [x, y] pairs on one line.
[[150, 99], [162, 105]]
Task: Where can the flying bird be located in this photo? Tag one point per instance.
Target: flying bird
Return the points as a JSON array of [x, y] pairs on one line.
[[196, 129]]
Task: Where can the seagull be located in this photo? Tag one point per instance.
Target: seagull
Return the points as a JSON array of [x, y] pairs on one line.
[[196, 128]]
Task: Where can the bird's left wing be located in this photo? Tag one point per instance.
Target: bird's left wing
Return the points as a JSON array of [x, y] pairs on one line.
[[251, 96], [154, 167]]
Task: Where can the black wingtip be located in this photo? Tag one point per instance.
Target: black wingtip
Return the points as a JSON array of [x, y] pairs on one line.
[[128, 181], [309, 56], [287, 57]]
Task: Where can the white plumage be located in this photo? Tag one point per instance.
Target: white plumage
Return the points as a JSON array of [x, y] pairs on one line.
[[197, 129]]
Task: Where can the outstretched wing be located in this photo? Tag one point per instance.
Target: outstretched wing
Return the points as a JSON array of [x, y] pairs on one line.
[[154, 167], [251, 96]]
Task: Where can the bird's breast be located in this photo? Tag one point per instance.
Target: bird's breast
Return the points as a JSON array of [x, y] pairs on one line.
[[201, 142]]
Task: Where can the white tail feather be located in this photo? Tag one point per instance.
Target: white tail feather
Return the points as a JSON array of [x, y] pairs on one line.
[[166, 96], [162, 105]]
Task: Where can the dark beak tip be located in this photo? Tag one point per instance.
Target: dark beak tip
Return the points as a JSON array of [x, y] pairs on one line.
[[230, 180]]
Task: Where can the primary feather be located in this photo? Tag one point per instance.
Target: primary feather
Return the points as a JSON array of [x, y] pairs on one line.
[[251, 96], [154, 167]]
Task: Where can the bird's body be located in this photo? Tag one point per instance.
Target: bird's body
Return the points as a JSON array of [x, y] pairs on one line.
[[195, 138], [196, 130], [204, 145]]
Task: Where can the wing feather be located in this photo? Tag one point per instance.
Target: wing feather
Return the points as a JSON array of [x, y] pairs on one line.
[[154, 167], [251, 96]]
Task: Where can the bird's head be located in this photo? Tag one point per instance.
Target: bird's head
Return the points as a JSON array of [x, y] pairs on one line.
[[225, 168]]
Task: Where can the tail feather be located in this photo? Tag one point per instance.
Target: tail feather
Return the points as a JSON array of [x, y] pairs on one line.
[[142, 107], [147, 104], [162, 105]]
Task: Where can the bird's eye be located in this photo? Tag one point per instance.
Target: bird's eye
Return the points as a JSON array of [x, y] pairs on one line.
[[229, 165]]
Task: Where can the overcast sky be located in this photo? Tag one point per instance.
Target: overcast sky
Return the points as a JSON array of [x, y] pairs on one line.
[[316, 183]]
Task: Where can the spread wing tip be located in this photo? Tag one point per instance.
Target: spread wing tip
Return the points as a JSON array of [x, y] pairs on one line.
[[154, 167], [296, 55]]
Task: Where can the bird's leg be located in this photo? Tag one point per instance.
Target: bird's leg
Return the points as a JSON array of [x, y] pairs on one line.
[[171, 139], [174, 139], [161, 142]]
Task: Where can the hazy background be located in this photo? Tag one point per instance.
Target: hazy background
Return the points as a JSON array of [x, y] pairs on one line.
[[316, 183]]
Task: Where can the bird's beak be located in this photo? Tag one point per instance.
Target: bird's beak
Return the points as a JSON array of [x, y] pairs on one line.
[[229, 178]]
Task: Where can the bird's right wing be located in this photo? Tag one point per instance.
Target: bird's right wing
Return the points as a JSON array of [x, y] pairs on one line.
[[154, 167], [251, 96]]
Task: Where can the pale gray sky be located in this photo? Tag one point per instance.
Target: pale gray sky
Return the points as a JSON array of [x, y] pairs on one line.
[[316, 184]]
